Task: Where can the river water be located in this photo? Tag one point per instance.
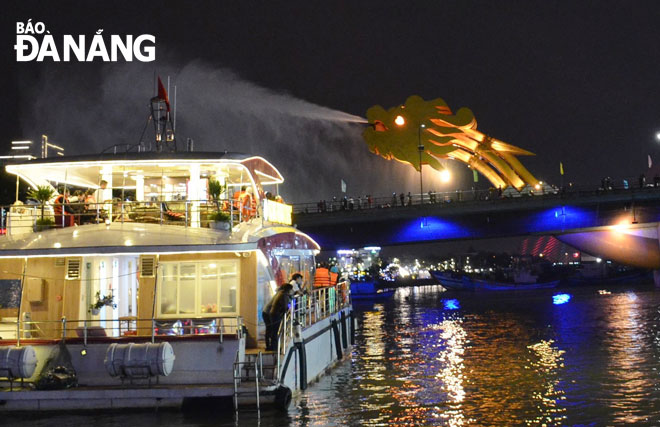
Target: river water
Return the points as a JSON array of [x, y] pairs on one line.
[[574, 356]]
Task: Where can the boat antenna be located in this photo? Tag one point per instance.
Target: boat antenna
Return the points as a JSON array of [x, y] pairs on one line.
[[163, 125], [174, 119]]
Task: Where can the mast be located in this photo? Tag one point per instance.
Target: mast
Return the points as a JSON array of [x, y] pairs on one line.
[[162, 119]]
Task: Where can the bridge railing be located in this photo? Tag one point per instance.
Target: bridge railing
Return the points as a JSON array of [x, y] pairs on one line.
[[398, 200]]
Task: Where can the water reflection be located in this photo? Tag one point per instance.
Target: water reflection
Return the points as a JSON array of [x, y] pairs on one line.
[[547, 360], [373, 386], [430, 358], [629, 346], [451, 374]]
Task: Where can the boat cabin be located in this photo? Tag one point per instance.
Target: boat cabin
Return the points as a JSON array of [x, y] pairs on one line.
[[145, 258]]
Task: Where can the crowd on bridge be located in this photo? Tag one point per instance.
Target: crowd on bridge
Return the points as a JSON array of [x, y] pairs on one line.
[[349, 203], [345, 204]]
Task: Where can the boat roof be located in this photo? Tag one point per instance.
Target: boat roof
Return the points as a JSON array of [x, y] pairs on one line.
[[139, 238], [141, 155], [86, 170]]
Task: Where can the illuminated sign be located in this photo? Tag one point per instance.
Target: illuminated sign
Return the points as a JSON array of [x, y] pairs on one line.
[[277, 212]]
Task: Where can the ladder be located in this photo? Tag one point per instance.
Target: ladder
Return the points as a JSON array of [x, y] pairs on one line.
[[242, 373]]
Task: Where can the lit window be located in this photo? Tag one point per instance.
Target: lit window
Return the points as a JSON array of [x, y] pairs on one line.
[[204, 289]]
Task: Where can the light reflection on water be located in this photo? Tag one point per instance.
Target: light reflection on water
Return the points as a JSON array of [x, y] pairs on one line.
[[498, 360]]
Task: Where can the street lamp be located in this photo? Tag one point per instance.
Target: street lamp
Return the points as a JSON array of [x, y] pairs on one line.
[[400, 121], [420, 147], [445, 176]]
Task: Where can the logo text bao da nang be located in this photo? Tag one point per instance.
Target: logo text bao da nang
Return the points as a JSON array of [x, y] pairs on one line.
[[35, 43]]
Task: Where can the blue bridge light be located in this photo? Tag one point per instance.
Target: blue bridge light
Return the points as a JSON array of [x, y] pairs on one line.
[[561, 218], [451, 304], [429, 228], [560, 299]]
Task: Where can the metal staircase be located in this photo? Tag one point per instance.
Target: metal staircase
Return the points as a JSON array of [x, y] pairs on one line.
[[257, 368]]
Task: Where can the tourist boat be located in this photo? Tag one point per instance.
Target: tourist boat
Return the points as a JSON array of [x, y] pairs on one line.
[[466, 283], [145, 302]]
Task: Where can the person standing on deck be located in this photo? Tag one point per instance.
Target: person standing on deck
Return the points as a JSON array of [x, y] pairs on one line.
[[247, 204], [64, 215], [98, 196], [277, 307], [265, 314], [299, 303], [322, 276], [296, 283]]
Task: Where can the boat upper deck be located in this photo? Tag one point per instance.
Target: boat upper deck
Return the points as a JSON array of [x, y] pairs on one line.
[[128, 170], [132, 237], [193, 189]]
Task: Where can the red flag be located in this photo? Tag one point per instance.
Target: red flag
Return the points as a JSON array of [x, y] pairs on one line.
[[162, 94]]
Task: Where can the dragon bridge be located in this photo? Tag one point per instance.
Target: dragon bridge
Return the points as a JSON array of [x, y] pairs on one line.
[[396, 134]]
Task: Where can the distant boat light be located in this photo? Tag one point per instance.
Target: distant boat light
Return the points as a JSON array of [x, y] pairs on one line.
[[452, 304], [560, 299]]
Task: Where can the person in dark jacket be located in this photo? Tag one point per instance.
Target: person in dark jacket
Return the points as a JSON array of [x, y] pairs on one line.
[[265, 314], [273, 313]]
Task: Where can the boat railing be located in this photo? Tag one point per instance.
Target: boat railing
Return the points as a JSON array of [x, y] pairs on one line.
[[310, 307], [305, 310], [285, 337], [126, 327], [19, 219]]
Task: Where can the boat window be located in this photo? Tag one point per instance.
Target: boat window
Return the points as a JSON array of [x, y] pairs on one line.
[[229, 280], [289, 264], [209, 288], [187, 285], [307, 270], [168, 288], [266, 284], [204, 288]]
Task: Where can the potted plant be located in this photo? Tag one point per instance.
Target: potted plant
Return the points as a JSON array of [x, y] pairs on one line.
[[42, 194], [44, 224], [105, 301], [220, 221], [215, 189]]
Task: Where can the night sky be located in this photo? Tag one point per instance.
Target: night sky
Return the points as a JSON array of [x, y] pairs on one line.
[[575, 82]]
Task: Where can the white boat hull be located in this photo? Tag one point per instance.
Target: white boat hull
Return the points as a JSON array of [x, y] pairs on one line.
[[202, 369]]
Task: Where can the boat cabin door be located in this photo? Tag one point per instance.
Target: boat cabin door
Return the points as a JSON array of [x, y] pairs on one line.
[[115, 280]]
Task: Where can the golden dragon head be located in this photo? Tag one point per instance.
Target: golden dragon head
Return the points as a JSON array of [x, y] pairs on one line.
[[429, 127]]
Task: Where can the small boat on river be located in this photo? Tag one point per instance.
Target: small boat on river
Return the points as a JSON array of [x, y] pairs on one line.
[[453, 282], [466, 283], [369, 290]]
